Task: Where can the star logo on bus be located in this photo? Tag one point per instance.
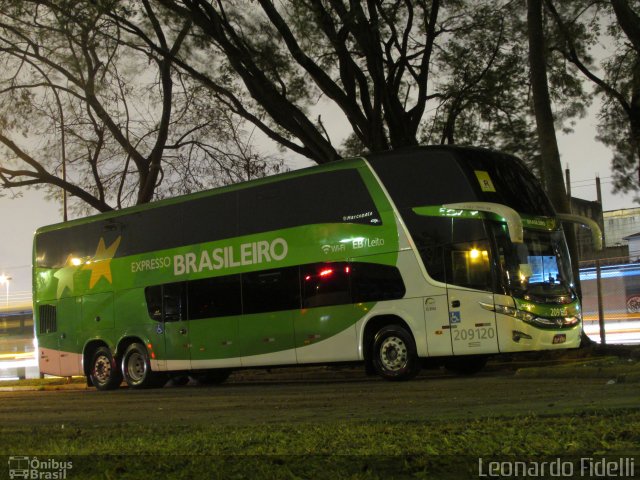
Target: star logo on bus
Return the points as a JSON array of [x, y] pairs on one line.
[[100, 264], [65, 276]]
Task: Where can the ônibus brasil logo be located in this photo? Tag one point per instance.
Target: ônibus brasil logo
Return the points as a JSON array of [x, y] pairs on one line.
[[35, 468]]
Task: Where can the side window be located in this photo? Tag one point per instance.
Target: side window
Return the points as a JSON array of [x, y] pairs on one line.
[[154, 302], [214, 297], [268, 207], [166, 302], [325, 284], [80, 241], [371, 282], [468, 261], [433, 238], [271, 290], [173, 304]]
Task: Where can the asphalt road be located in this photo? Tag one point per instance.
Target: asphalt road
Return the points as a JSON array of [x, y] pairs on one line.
[[246, 400]]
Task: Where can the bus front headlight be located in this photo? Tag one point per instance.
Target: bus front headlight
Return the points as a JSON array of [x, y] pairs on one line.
[[514, 312], [540, 322]]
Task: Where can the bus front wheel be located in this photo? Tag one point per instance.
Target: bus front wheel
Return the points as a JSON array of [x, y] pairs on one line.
[[136, 368], [105, 374], [394, 354]]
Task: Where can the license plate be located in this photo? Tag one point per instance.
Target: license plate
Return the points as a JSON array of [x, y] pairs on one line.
[[559, 338]]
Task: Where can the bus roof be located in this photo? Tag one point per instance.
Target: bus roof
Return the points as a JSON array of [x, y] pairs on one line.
[[468, 157]]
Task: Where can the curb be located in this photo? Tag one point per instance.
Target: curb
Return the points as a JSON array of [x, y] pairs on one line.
[[40, 388]]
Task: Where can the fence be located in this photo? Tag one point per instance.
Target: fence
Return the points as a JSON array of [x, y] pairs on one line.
[[611, 300]]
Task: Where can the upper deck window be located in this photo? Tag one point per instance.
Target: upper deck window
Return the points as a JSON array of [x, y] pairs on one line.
[[339, 196]]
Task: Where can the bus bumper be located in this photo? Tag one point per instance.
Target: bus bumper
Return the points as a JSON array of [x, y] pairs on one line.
[[517, 336]]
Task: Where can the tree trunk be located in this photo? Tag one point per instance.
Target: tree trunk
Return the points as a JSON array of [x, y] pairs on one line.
[[630, 23], [551, 167], [628, 20]]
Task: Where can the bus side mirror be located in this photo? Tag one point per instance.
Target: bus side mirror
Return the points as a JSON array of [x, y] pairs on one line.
[[596, 233]]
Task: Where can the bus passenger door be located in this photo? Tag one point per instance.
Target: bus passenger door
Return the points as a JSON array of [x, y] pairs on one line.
[[266, 330], [168, 307], [470, 284], [215, 306]]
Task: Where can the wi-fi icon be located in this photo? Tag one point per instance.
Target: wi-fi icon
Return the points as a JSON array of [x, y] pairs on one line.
[[326, 248]]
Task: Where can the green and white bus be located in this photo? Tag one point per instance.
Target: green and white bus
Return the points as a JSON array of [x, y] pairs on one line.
[[442, 253]]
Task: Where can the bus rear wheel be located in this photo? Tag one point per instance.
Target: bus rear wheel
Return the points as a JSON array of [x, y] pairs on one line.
[[394, 354], [105, 374], [136, 368]]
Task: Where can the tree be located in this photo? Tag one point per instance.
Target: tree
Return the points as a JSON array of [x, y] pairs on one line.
[[489, 100], [399, 72], [618, 84], [486, 100], [551, 168], [373, 60], [79, 115]]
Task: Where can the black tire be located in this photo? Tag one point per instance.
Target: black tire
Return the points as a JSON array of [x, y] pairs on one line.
[[466, 365], [105, 373], [393, 354], [136, 368], [212, 377]]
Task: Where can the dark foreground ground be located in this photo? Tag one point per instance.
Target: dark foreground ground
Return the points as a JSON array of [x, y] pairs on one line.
[[333, 423], [237, 404]]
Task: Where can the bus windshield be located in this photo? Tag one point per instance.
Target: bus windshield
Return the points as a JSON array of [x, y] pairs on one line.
[[537, 269]]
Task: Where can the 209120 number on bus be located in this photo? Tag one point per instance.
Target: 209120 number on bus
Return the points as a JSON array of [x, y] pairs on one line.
[[481, 333]]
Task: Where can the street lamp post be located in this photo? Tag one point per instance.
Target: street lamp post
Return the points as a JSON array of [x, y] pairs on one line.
[[5, 279]]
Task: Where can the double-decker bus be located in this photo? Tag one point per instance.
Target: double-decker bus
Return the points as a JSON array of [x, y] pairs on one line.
[[442, 253]]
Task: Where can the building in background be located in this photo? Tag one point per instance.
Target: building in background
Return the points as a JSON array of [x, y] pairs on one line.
[[634, 246], [592, 210], [619, 224], [615, 226]]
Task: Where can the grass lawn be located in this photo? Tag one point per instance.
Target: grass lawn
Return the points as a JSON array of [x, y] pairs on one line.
[[435, 449]]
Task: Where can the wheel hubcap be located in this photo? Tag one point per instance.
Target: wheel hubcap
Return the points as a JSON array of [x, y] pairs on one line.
[[136, 367], [102, 369], [393, 353]]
